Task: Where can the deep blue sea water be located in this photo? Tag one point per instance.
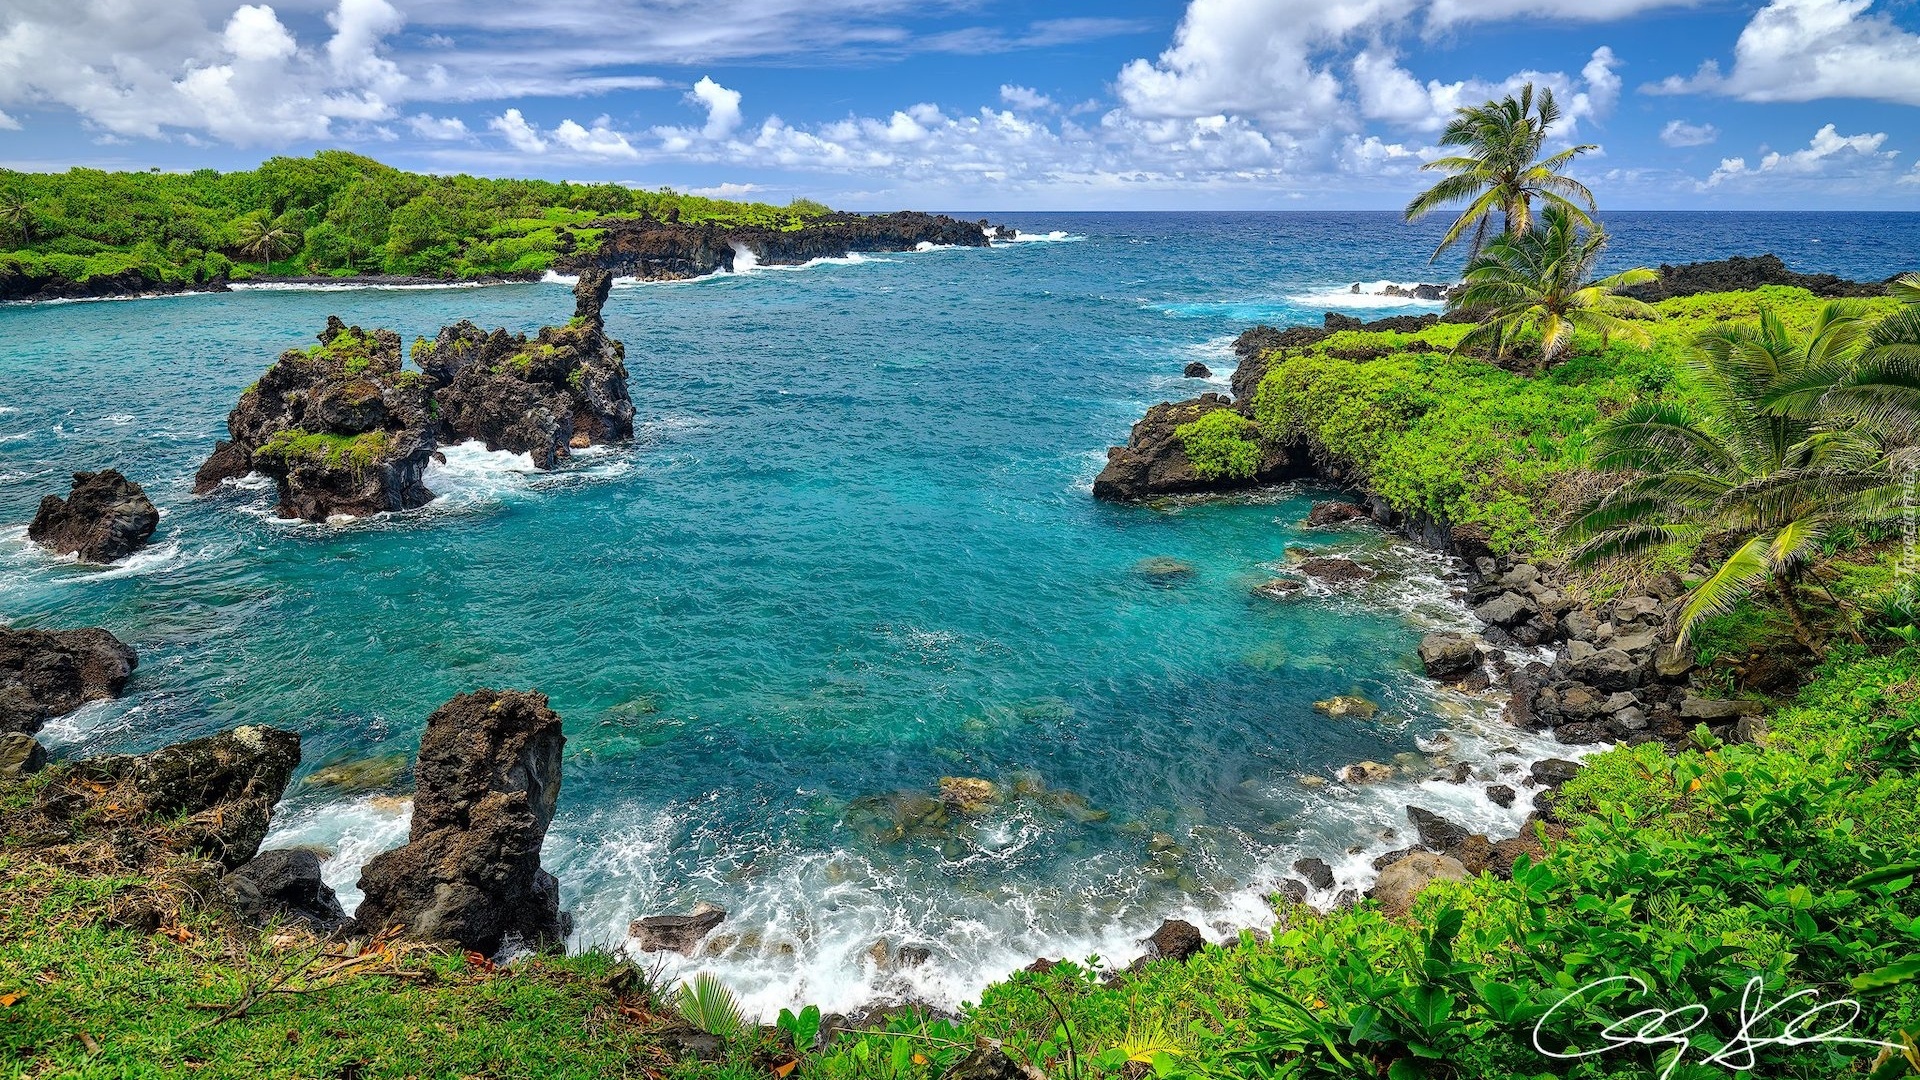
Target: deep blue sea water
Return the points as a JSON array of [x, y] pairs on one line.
[[851, 551]]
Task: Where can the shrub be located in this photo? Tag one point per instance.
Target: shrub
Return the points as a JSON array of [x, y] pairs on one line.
[[1220, 445]]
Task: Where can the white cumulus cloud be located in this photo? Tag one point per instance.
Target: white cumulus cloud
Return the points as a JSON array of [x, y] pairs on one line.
[[722, 105], [1807, 50], [1828, 154], [1024, 97]]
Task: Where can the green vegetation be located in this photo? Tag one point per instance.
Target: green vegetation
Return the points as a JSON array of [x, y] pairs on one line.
[[333, 213], [1766, 484], [1540, 284], [291, 445], [1500, 171], [1220, 445]]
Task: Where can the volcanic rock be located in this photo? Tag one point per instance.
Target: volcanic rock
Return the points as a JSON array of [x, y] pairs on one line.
[[1197, 370], [220, 790], [339, 427], [1552, 772], [1500, 795], [282, 884], [564, 390], [20, 755], [1345, 705], [652, 250], [1739, 274], [1316, 871], [1154, 461], [676, 933], [1326, 514], [485, 786], [1176, 940], [45, 674], [1448, 656], [1435, 831], [1336, 571], [104, 517], [1405, 879]]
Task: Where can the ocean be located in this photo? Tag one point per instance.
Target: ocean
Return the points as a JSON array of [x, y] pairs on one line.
[[851, 551]]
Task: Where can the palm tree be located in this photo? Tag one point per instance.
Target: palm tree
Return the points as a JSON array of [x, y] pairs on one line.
[[1762, 485], [17, 216], [1498, 172], [1540, 280], [1881, 386], [264, 240]]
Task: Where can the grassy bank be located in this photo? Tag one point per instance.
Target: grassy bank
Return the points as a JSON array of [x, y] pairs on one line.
[[332, 214]]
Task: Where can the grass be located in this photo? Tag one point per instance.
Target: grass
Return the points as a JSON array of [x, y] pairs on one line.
[[292, 445]]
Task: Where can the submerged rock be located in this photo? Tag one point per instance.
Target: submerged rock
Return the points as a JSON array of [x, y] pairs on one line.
[[46, 674], [1367, 772], [485, 786], [968, 795], [564, 390], [105, 517], [1347, 705], [1335, 570], [340, 428], [676, 933]]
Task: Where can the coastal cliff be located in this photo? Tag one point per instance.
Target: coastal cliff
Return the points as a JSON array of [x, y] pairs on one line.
[[653, 250]]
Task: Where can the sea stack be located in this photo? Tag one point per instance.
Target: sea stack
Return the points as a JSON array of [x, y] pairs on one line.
[[564, 390], [340, 428], [105, 517], [486, 783]]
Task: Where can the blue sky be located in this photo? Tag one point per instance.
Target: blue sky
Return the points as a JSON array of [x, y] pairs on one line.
[[978, 105]]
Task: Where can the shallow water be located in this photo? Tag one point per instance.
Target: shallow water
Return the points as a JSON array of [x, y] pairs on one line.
[[850, 552]]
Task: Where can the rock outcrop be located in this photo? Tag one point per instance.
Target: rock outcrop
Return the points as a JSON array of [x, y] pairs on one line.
[[46, 674], [564, 390], [1404, 879], [217, 793], [676, 933], [1155, 462], [654, 250], [340, 428], [485, 786], [1175, 940], [1741, 273], [105, 517]]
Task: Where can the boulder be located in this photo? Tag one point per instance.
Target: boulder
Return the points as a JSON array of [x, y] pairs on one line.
[[1335, 571], [675, 933], [282, 884], [1405, 879], [45, 674], [1316, 871], [1198, 370], [1608, 669], [1500, 795], [1292, 891], [564, 390], [1155, 462], [1694, 707], [485, 786], [1507, 609], [1552, 772], [20, 755], [988, 1062], [105, 517], [1326, 514], [1176, 940], [1435, 831], [340, 429], [1448, 656], [217, 792]]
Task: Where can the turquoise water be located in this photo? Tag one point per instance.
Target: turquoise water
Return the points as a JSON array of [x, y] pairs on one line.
[[850, 552]]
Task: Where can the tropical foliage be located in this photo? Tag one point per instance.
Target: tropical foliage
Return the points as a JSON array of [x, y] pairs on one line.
[[333, 213], [1539, 285], [1500, 171], [1760, 474]]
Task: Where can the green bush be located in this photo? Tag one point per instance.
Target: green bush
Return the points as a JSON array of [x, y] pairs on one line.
[[1220, 445]]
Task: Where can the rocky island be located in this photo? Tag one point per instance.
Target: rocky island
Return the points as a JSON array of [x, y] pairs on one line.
[[345, 431], [104, 518]]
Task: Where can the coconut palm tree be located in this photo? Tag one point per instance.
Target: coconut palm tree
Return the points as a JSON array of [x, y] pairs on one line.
[[1498, 172], [1760, 485], [17, 217], [1540, 280], [1880, 387], [264, 240]]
